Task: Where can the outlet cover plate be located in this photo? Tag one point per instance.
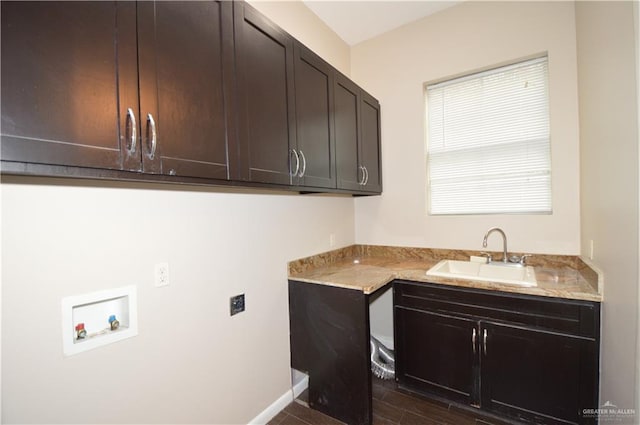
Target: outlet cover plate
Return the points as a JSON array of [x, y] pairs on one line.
[[236, 304], [161, 274]]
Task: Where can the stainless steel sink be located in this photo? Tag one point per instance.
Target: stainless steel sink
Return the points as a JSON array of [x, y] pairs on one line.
[[492, 272]]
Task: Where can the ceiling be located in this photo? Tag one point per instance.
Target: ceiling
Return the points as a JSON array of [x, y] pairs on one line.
[[356, 21]]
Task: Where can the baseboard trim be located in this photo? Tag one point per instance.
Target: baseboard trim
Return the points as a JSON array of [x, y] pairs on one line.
[[300, 386], [276, 407]]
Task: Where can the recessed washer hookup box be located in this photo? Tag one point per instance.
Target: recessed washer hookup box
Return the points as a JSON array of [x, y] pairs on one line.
[[99, 318]]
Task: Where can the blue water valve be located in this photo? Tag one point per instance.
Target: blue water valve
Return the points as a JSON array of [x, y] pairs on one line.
[[113, 322]]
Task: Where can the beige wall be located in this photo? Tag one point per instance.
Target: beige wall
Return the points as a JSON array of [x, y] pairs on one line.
[[191, 362], [473, 35], [299, 21], [609, 161]]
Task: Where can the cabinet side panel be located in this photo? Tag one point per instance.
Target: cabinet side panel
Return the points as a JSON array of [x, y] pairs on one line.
[[330, 341]]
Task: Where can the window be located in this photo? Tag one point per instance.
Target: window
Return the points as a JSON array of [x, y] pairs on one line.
[[488, 142]]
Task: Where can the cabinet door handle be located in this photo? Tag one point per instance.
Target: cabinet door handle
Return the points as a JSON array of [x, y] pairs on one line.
[[473, 340], [132, 125], [304, 164], [366, 173], [361, 168], [294, 173], [151, 123], [484, 341]]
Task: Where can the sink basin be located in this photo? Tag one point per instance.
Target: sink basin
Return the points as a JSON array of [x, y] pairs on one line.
[[500, 273]]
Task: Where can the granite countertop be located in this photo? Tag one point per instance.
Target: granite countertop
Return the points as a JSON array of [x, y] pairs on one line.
[[370, 267]]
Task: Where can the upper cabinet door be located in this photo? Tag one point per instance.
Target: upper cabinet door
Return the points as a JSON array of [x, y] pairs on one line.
[[186, 70], [266, 117], [370, 143], [357, 126], [69, 84], [347, 116], [314, 120]]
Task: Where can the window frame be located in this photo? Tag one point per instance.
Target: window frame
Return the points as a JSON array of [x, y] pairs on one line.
[[477, 75]]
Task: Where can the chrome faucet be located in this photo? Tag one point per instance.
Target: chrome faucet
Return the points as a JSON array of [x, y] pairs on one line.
[[505, 257]]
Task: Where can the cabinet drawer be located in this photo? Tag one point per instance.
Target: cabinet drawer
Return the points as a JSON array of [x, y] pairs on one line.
[[561, 315]]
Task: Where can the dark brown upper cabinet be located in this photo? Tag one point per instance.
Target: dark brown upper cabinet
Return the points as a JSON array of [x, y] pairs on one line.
[[72, 94], [204, 92], [68, 80], [347, 114], [265, 83], [185, 52], [315, 150], [369, 149], [357, 129]]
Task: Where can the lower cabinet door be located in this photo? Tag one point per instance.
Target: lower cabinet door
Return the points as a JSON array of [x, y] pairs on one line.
[[436, 353], [538, 376]]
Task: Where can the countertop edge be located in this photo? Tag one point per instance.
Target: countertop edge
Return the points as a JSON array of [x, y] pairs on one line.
[[337, 264], [366, 290]]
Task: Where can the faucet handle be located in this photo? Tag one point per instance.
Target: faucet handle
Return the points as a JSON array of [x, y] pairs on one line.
[[519, 259], [488, 256]]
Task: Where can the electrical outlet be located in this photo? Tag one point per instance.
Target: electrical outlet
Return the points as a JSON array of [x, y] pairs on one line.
[[162, 274], [236, 304], [332, 240], [591, 249]]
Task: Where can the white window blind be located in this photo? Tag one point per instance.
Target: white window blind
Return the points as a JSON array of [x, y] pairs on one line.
[[488, 142]]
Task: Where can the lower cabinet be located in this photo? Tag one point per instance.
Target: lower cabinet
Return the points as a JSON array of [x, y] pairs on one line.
[[527, 371], [329, 334], [527, 358], [429, 339]]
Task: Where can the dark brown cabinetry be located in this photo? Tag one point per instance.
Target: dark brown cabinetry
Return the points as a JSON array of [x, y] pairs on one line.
[[110, 85], [524, 357], [530, 372], [357, 121], [315, 149], [442, 340], [330, 342], [347, 114], [369, 149], [203, 92], [266, 115], [62, 102], [185, 52]]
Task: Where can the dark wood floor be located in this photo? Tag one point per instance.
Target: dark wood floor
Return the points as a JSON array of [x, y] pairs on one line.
[[391, 406]]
